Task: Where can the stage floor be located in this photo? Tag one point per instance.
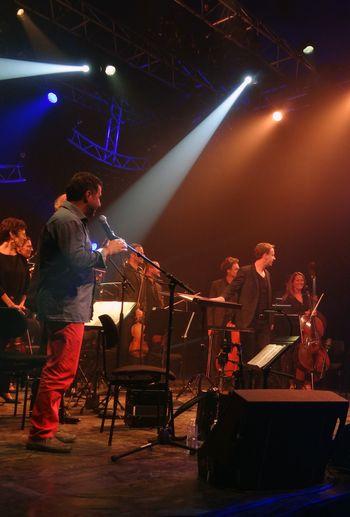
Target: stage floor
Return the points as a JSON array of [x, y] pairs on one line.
[[161, 481]]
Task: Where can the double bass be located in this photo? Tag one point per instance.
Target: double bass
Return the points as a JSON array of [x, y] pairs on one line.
[[312, 357]]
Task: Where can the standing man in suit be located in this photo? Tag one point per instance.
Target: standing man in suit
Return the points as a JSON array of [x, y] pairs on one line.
[[252, 289]]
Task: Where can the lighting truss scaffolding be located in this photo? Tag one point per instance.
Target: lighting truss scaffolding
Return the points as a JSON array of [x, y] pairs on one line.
[[117, 113], [81, 19], [11, 174], [235, 24], [108, 153]]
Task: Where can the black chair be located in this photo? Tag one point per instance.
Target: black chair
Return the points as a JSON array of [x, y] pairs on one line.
[[136, 376], [23, 368]]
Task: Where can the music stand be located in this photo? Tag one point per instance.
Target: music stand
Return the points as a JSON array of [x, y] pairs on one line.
[[112, 309], [204, 303], [107, 291], [266, 358], [157, 323]]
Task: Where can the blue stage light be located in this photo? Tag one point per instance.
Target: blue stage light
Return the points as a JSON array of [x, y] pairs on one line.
[[52, 97], [94, 246]]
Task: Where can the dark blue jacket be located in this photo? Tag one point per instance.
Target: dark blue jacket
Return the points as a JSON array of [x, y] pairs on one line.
[[66, 265]]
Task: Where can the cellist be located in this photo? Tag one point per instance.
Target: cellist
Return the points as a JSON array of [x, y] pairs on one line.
[[299, 299], [310, 359]]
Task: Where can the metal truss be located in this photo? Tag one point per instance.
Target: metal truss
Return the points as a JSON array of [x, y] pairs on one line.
[[108, 153], [81, 19], [100, 153], [11, 174], [228, 18]]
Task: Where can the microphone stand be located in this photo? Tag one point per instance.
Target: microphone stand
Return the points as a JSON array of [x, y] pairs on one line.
[[166, 433]]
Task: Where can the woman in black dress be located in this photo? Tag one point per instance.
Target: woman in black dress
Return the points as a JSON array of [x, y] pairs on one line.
[[14, 278]]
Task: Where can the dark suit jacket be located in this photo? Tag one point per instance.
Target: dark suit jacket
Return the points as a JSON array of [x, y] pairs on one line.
[[218, 316], [245, 290]]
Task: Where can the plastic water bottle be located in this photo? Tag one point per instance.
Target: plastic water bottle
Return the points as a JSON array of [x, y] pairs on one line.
[[192, 435]]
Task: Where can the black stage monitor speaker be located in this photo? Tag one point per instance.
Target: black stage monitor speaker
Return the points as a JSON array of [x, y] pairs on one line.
[[266, 439]]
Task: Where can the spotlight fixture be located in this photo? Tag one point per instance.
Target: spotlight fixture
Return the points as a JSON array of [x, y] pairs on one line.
[[277, 116], [110, 70], [85, 69], [309, 49], [248, 79], [20, 12], [52, 97]]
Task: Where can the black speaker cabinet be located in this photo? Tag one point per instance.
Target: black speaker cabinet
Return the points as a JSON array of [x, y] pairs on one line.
[[271, 438]]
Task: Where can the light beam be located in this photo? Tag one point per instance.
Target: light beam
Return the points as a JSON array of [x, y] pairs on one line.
[[141, 205], [15, 68]]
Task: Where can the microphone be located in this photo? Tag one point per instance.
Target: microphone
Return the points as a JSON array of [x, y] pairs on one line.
[[108, 230]]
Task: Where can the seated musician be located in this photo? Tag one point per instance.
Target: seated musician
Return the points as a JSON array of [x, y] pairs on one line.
[[147, 295]]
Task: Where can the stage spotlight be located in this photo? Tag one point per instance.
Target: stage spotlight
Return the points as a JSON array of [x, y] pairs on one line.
[[14, 68], [94, 246], [309, 49], [110, 70], [20, 12], [52, 97], [248, 79], [277, 116]]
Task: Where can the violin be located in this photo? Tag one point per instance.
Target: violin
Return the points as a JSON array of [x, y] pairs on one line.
[[138, 347], [312, 355]]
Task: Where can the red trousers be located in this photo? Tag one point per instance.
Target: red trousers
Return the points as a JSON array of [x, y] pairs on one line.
[[63, 350]]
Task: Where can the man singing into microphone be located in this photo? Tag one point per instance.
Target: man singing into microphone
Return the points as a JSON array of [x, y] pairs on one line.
[[64, 299]]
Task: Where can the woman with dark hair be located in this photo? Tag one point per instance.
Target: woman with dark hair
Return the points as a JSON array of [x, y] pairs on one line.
[[14, 278]]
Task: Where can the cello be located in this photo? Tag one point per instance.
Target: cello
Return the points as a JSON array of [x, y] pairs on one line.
[[227, 362], [312, 356]]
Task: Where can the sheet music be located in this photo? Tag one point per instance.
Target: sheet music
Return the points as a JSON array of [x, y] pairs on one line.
[[110, 308], [266, 355]]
